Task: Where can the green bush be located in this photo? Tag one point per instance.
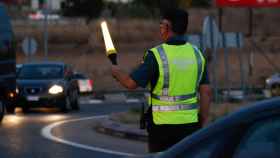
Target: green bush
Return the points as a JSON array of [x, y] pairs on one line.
[[201, 3], [82, 8]]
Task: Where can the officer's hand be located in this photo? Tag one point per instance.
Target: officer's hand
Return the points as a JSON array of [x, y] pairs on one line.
[[115, 70], [123, 77]]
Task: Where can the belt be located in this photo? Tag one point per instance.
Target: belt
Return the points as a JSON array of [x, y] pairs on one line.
[[173, 98], [174, 107]]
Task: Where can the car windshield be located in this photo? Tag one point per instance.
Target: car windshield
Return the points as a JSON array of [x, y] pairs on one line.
[[79, 76], [42, 72]]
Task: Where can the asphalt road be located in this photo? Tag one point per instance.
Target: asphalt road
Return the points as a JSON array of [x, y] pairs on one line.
[[71, 135]]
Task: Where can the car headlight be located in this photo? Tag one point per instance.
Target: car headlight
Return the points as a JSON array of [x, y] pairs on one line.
[[267, 81], [55, 89], [17, 90]]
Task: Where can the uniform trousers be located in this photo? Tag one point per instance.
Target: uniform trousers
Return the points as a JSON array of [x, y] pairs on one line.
[[162, 137]]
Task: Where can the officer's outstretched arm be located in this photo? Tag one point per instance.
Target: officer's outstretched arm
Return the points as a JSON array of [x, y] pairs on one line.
[[205, 100], [123, 78]]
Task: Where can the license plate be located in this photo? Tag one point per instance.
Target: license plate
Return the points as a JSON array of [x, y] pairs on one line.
[[32, 98]]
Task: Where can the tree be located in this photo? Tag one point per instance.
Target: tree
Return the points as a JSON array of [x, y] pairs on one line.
[[89, 9], [158, 5], [201, 3], [154, 5]]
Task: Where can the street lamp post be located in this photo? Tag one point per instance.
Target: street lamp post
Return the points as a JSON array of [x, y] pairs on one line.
[[46, 30]]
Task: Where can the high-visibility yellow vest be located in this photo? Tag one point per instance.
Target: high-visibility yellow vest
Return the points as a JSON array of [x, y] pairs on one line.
[[174, 98]]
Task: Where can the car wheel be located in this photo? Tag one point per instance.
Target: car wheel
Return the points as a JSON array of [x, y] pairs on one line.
[[10, 109], [65, 104], [2, 111], [275, 90], [75, 103]]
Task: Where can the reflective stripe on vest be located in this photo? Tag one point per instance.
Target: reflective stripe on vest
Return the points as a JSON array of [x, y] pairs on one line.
[[173, 98], [199, 65], [164, 96], [160, 108], [164, 60]]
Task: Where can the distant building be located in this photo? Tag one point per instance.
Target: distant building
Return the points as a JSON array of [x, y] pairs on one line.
[[122, 1], [52, 4]]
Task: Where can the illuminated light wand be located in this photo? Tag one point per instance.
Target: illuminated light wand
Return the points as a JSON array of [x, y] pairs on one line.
[[110, 49]]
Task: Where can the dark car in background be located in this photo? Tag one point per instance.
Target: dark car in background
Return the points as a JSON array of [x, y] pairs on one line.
[[7, 62], [252, 132], [45, 84]]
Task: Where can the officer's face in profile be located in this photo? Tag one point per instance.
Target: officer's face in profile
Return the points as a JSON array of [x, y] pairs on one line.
[[165, 29]]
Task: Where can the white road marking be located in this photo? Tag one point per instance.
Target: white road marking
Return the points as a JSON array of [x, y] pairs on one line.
[[91, 101], [95, 101], [47, 133], [132, 101]]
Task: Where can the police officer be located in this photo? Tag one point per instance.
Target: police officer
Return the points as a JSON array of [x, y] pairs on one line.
[[176, 74]]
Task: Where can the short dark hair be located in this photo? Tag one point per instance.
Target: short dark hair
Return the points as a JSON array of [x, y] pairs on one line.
[[178, 18]]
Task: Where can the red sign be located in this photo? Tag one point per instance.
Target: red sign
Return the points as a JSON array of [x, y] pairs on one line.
[[248, 3], [12, 1]]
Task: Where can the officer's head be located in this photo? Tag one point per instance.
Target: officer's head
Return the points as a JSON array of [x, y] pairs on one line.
[[173, 22]]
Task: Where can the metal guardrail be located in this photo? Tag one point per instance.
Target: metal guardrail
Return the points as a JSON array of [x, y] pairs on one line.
[[12, 75], [7, 62], [61, 21]]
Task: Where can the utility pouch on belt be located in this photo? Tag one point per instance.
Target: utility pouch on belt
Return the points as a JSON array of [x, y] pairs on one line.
[[143, 117]]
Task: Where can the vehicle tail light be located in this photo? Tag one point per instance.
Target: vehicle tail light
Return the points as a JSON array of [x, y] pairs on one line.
[[90, 82]]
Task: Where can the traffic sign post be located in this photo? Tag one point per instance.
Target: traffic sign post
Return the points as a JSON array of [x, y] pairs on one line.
[[29, 47], [211, 38], [224, 43], [46, 35], [211, 33], [239, 44]]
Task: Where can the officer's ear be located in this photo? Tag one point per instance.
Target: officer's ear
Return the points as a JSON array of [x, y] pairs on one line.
[[165, 24], [169, 26]]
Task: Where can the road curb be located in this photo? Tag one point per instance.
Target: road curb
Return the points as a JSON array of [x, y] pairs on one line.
[[116, 129]]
